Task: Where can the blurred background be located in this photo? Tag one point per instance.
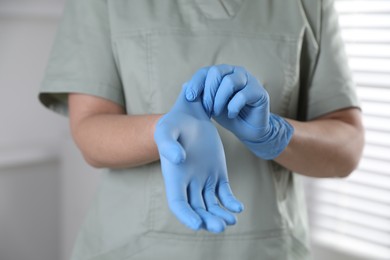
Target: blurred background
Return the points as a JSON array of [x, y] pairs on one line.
[[45, 187]]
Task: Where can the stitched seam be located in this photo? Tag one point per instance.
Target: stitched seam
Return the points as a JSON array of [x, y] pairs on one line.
[[291, 80], [72, 80], [205, 33], [191, 237]]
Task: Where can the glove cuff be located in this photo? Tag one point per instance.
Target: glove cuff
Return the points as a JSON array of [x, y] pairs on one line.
[[278, 137]]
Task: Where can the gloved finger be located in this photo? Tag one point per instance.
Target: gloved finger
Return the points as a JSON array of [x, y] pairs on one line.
[[212, 223], [186, 215], [226, 197], [214, 78], [250, 95], [195, 86], [230, 84], [259, 92], [215, 208], [178, 204], [168, 146]]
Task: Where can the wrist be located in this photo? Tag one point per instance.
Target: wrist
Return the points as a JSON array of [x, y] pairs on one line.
[[153, 124], [276, 138]]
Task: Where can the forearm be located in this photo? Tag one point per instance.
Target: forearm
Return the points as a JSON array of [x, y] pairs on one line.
[[323, 148], [329, 146], [117, 141]]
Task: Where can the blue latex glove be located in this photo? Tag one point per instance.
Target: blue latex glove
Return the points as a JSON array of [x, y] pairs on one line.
[[238, 102], [194, 168]]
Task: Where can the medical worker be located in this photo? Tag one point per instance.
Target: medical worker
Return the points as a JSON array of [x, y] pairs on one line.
[[203, 114]]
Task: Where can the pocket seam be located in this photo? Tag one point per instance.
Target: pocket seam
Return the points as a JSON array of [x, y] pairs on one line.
[[267, 234], [289, 38]]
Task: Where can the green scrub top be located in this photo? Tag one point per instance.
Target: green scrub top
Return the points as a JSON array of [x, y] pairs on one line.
[[138, 53]]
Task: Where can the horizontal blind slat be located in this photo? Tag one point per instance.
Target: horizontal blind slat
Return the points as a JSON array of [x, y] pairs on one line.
[[380, 152], [364, 234], [372, 79], [368, 50], [343, 214], [372, 165], [373, 36], [372, 65], [379, 109], [367, 178], [347, 7], [353, 203], [376, 21], [382, 95], [354, 191], [349, 243], [377, 138], [379, 124]]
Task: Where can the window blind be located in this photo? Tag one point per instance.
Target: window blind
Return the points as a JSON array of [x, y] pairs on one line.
[[353, 214]]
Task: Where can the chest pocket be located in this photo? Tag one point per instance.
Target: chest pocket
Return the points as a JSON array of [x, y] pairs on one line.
[[155, 64]]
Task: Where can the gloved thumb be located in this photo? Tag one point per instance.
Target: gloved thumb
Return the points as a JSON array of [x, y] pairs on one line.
[[195, 87], [168, 145]]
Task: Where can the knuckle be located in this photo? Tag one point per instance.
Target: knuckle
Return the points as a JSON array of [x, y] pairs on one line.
[[240, 97], [198, 209], [242, 79], [202, 71], [241, 71], [264, 95], [230, 82], [225, 67], [239, 68], [214, 71]]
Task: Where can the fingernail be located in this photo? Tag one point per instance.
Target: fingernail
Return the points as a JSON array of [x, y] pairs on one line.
[[196, 224], [178, 157], [190, 95], [232, 221], [178, 160], [240, 207], [217, 227]]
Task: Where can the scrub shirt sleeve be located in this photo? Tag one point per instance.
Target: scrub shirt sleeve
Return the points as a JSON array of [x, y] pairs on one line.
[[332, 87], [81, 59]]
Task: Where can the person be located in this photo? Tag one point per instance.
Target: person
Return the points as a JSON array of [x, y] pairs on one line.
[[237, 99]]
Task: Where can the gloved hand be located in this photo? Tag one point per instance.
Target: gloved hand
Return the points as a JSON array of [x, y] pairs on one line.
[[238, 102], [194, 168]]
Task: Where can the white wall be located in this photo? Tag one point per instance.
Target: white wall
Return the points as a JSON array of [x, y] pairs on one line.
[[323, 252], [45, 186], [29, 211], [78, 182], [29, 179], [25, 43]]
